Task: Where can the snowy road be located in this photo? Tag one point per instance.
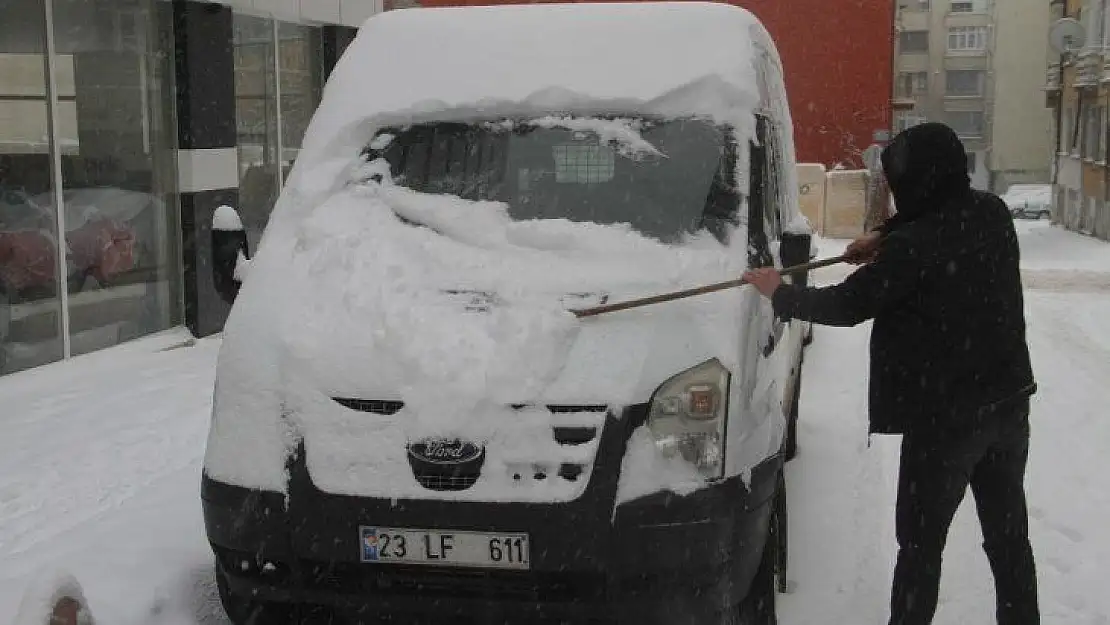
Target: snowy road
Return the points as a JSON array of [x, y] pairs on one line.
[[100, 461]]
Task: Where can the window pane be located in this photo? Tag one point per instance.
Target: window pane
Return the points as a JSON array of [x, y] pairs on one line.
[[30, 311], [914, 41], [301, 64], [256, 117], [118, 170], [964, 82], [966, 123], [971, 38]]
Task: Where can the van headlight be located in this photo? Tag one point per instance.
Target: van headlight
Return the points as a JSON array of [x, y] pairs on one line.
[[688, 417]]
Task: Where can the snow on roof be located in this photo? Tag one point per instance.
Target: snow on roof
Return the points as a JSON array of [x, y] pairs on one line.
[[410, 64]]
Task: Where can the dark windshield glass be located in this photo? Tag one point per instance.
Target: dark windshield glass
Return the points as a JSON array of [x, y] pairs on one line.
[[555, 173]]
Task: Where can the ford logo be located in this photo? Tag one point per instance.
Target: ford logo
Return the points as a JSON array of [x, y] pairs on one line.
[[444, 451]]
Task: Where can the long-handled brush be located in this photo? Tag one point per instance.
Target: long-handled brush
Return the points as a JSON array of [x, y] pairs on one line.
[[709, 288]]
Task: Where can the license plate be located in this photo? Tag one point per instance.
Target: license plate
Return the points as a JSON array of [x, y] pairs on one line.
[[394, 545]]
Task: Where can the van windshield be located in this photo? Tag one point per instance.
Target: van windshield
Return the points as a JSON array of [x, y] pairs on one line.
[[666, 178]]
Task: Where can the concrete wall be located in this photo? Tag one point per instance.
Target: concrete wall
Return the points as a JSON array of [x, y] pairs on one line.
[[811, 193], [834, 202], [1023, 131]]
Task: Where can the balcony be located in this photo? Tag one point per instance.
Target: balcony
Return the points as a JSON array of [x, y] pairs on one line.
[[1089, 69], [1052, 78]]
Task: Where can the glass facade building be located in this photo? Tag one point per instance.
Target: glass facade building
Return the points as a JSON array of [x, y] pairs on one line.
[[123, 125]]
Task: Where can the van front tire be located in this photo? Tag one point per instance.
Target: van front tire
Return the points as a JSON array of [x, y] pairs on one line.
[[758, 607]]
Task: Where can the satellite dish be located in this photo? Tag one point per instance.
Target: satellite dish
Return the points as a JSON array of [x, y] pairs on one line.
[[1067, 36]]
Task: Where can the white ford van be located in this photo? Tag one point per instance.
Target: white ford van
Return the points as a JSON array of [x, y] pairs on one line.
[[410, 423]]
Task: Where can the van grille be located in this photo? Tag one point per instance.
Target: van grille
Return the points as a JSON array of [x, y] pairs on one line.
[[462, 478], [376, 406]]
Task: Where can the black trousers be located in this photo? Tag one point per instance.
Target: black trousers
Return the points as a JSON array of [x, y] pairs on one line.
[[988, 452]]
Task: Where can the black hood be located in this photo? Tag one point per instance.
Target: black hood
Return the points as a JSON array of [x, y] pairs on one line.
[[925, 167]]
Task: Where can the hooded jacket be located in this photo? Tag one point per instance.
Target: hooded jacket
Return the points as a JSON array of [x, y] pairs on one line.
[[944, 290]]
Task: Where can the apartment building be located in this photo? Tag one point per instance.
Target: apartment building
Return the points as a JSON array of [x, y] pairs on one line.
[[1077, 92], [966, 63]]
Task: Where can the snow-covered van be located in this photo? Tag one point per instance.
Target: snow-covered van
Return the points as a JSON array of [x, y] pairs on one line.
[[409, 419]]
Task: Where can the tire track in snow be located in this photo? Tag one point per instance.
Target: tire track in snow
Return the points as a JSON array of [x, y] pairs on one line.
[[840, 491], [69, 457]]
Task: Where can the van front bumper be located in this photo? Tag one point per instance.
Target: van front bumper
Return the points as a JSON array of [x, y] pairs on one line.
[[657, 559]]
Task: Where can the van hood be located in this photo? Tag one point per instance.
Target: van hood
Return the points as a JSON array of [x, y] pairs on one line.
[[467, 350], [453, 298]]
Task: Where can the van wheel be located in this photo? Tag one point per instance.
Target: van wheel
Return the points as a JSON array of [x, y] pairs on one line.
[[758, 607], [245, 611]]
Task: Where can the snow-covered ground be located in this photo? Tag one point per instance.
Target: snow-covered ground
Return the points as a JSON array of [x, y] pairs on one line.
[[100, 470]]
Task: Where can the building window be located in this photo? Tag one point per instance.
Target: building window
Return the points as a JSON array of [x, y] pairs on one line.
[[966, 123], [967, 38], [964, 82], [88, 254], [1067, 136], [278, 78], [968, 6], [912, 83], [1093, 130], [904, 121], [913, 41]]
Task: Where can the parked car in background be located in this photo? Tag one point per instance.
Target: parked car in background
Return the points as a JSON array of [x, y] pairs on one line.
[[1029, 201]]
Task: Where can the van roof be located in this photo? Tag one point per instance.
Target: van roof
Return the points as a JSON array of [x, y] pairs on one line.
[[425, 61]]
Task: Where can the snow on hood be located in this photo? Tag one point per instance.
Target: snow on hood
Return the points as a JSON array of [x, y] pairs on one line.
[[468, 305], [455, 313]]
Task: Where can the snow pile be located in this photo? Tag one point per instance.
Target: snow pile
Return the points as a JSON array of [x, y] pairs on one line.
[[646, 470], [57, 594], [624, 132], [226, 218]]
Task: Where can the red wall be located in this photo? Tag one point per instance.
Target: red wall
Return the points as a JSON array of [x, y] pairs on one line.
[[838, 56]]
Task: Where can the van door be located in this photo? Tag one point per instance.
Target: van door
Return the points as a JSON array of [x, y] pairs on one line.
[[766, 331]]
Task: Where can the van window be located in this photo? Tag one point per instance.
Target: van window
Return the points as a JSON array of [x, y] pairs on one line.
[[550, 172], [763, 197], [775, 196]]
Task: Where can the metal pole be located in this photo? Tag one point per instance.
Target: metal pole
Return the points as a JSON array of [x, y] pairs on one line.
[[277, 93], [56, 175]]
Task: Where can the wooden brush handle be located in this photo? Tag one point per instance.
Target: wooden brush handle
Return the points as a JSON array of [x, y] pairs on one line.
[[709, 288]]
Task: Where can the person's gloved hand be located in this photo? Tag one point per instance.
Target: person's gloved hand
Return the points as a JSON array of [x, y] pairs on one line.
[[765, 280], [863, 250]]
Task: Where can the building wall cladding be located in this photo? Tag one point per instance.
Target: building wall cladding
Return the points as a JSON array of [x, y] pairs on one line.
[[1082, 178], [838, 58], [1022, 139]]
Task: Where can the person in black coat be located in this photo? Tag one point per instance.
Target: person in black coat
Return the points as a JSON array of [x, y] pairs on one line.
[[950, 367]]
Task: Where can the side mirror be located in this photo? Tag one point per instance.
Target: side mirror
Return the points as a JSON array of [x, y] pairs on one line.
[[796, 249], [230, 256]]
